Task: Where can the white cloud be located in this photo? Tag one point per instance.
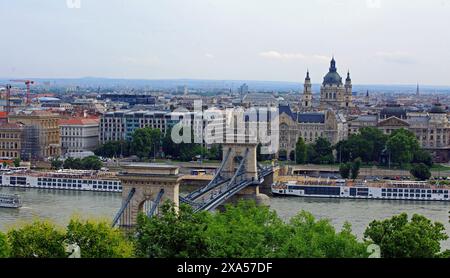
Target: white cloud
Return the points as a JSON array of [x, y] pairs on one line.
[[322, 58], [272, 54], [209, 55], [399, 57]]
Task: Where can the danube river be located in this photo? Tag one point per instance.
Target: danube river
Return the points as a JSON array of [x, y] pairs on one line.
[[59, 206]]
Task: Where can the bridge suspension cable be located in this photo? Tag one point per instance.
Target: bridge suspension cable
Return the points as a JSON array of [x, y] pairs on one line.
[[217, 180], [152, 210], [125, 204]]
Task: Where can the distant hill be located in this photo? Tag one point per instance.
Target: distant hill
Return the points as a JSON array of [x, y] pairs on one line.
[[165, 84]]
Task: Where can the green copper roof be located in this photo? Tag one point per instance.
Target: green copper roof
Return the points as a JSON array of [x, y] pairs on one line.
[[332, 77]]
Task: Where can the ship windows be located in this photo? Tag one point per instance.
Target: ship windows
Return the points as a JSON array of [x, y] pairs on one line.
[[383, 194], [389, 190], [394, 190], [400, 195], [95, 187], [429, 196], [423, 195], [446, 196], [417, 195], [383, 190], [406, 195]]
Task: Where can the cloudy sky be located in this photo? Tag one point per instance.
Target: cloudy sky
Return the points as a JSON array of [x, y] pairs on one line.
[[380, 41]]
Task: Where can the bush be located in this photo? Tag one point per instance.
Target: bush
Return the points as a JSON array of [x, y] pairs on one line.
[[344, 170], [41, 239], [420, 171], [172, 234], [400, 238], [4, 246], [97, 239]]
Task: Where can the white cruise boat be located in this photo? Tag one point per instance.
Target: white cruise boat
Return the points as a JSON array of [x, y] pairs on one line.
[[62, 179], [10, 201], [389, 190]]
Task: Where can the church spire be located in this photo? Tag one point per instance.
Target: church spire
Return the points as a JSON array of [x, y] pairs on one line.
[[333, 65], [348, 76]]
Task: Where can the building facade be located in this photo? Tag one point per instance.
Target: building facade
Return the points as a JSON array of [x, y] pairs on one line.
[[41, 136], [11, 140], [432, 128], [79, 135], [310, 126]]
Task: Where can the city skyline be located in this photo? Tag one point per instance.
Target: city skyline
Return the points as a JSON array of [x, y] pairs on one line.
[[254, 40]]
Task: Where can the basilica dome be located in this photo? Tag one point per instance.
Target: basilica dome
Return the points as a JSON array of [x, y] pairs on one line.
[[332, 77], [437, 109]]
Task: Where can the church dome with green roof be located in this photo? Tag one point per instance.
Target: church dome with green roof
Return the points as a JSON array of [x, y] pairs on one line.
[[332, 77], [437, 108]]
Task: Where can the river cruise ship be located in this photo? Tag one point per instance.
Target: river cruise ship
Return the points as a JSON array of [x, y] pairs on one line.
[[388, 190], [84, 180], [10, 201]]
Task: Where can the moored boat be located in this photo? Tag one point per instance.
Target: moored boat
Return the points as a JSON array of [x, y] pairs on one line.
[[390, 190], [10, 201]]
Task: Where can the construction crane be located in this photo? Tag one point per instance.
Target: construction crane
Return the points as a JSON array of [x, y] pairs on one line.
[[7, 97], [28, 83]]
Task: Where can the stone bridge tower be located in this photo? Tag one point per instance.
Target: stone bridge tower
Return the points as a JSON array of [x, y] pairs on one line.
[[147, 179], [237, 153]]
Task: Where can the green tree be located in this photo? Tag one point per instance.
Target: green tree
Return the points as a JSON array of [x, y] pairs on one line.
[[311, 154], [114, 149], [40, 239], [91, 163], [420, 171], [169, 147], [401, 145], [215, 152], [311, 238], [56, 163], [377, 141], [300, 151], [321, 152], [72, 163], [400, 238], [344, 170], [228, 232], [17, 162], [97, 239], [423, 156], [4, 246], [172, 234], [356, 165], [142, 142], [292, 155]]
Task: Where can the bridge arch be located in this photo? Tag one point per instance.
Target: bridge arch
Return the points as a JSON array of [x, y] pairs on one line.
[[146, 187]]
